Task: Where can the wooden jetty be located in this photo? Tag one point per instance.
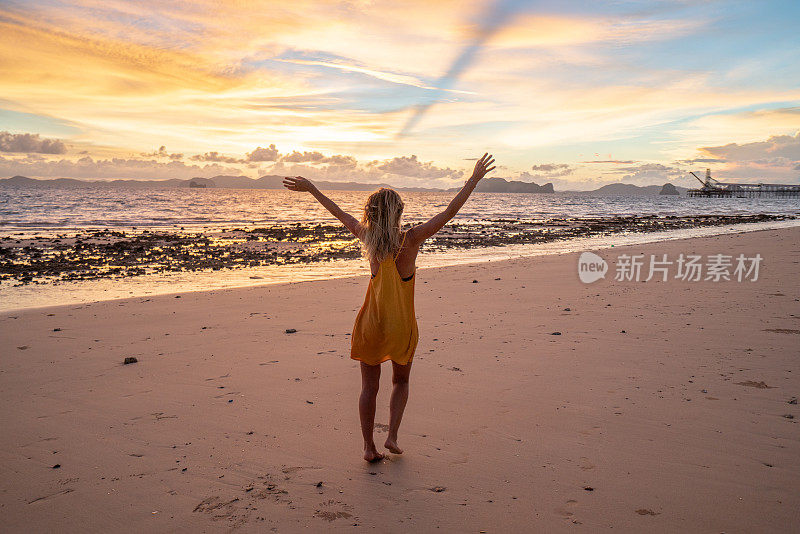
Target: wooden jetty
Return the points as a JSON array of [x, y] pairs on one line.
[[717, 189]]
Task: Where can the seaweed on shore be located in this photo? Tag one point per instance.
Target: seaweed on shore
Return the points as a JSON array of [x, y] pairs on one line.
[[94, 254]]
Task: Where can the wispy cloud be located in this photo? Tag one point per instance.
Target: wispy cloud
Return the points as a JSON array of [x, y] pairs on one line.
[[400, 79], [614, 161]]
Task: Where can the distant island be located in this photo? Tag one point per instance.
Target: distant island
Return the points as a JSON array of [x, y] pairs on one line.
[[487, 185], [669, 189]]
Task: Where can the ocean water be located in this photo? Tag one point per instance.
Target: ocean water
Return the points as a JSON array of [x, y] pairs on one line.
[[67, 209], [57, 212]]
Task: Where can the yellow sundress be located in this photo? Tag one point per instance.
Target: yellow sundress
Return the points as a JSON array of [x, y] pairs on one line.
[[386, 326]]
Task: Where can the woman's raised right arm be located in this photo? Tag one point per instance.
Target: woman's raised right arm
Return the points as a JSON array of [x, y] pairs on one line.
[[423, 231], [298, 183]]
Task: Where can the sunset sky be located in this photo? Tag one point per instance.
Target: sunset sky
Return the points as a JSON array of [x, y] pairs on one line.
[[575, 93]]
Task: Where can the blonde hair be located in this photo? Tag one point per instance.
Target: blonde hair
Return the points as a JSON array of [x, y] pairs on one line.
[[381, 222]]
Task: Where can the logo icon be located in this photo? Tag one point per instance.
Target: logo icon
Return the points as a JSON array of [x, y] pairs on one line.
[[591, 267]]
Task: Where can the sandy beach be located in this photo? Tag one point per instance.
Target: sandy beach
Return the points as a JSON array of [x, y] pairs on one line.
[[659, 406]]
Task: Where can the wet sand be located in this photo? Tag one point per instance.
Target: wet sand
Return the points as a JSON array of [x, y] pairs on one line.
[[663, 406]]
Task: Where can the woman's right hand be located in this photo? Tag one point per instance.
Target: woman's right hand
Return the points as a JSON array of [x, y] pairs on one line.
[[482, 167], [297, 183]]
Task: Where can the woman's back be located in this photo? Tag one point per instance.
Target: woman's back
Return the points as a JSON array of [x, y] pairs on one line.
[[406, 257]]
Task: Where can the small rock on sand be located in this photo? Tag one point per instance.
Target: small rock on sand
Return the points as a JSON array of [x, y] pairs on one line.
[[25, 347], [129, 360], [57, 466], [555, 334], [793, 400], [291, 330], [474, 281], [438, 489]]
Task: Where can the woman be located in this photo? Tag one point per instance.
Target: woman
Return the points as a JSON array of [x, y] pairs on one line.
[[386, 327]]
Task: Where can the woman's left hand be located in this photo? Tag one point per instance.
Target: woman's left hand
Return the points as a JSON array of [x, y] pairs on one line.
[[297, 183], [483, 167]]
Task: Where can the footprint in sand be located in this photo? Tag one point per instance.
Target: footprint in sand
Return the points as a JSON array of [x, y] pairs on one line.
[[268, 491], [238, 510], [290, 470], [645, 511], [380, 427], [567, 510], [332, 510], [585, 464], [217, 508], [753, 384], [462, 460], [782, 330]]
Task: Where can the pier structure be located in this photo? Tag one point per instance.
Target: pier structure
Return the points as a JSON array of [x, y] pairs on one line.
[[714, 188]]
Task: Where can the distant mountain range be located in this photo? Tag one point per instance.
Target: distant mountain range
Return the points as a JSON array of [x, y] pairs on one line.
[[221, 182], [501, 185], [487, 185], [24, 181], [626, 190]]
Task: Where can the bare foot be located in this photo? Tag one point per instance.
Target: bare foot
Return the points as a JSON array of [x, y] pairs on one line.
[[372, 455], [392, 446]]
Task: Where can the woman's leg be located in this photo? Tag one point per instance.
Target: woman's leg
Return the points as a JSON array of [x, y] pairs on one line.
[[397, 404], [370, 380]]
